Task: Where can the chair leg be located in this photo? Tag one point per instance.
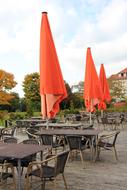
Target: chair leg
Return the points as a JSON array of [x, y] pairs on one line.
[[54, 183], [43, 184], [64, 182], [14, 180], [68, 158], [115, 153], [27, 185], [81, 155], [97, 154]]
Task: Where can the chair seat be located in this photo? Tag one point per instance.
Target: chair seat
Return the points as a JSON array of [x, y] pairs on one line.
[[55, 145], [6, 175], [48, 172], [104, 144]]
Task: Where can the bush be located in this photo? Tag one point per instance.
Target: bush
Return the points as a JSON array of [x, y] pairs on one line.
[[17, 115]]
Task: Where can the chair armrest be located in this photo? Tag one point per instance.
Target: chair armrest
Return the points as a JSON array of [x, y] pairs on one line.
[[39, 164], [106, 138]]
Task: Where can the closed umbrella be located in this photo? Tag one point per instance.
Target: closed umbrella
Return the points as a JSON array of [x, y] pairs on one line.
[[52, 87], [92, 87], [105, 88]]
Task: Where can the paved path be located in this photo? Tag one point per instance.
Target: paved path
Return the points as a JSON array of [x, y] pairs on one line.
[[102, 175]]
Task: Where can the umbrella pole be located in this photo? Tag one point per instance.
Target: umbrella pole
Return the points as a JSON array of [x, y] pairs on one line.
[[101, 113], [91, 104], [47, 123], [90, 118]]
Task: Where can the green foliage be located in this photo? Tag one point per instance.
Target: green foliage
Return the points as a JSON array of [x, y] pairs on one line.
[[3, 117], [31, 88], [17, 115], [68, 111], [65, 104]]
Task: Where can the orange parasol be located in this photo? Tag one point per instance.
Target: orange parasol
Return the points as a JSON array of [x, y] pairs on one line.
[[52, 88], [105, 88], [92, 87]]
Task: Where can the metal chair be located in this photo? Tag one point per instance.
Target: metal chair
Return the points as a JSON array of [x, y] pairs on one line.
[[108, 142], [47, 172]]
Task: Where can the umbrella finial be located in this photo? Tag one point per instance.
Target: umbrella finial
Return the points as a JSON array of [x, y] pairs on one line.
[[44, 12]]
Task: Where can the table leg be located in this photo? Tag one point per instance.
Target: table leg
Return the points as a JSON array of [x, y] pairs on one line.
[[19, 174], [96, 148]]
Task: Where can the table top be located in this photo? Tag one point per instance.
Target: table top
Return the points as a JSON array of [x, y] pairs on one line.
[[68, 132], [19, 151], [75, 125]]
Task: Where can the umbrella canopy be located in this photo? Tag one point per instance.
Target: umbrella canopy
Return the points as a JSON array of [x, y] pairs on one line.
[[52, 87], [92, 88], [104, 87]]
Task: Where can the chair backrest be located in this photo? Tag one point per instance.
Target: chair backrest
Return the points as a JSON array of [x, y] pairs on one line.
[[31, 133], [9, 131], [89, 127], [115, 137], [30, 141], [47, 139], [60, 162], [74, 142], [104, 120], [10, 140]]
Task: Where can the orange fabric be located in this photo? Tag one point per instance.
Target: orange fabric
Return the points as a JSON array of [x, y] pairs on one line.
[[52, 87], [104, 84], [92, 88]]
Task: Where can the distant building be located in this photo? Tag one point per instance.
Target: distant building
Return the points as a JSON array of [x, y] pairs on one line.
[[121, 76]]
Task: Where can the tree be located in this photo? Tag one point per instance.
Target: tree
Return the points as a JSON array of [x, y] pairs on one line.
[[6, 84], [117, 89], [31, 85], [78, 90], [15, 102], [65, 104]]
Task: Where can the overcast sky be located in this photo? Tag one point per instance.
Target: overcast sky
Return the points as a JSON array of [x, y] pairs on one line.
[[75, 25]]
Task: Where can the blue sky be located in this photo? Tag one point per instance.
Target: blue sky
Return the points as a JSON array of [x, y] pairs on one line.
[[75, 25]]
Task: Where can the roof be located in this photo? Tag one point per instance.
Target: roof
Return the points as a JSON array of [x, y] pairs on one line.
[[118, 77], [123, 71]]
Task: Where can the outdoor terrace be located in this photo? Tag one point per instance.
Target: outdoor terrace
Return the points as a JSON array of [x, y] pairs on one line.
[[104, 174]]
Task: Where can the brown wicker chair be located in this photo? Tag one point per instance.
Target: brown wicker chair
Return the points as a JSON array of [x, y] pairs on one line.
[[49, 140], [25, 161], [78, 144], [31, 133], [8, 132], [108, 142], [47, 172], [10, 140], [7, 171]]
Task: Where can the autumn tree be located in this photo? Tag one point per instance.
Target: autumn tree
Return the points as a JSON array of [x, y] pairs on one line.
[[117, 89], [31, 85], [7, 83]]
